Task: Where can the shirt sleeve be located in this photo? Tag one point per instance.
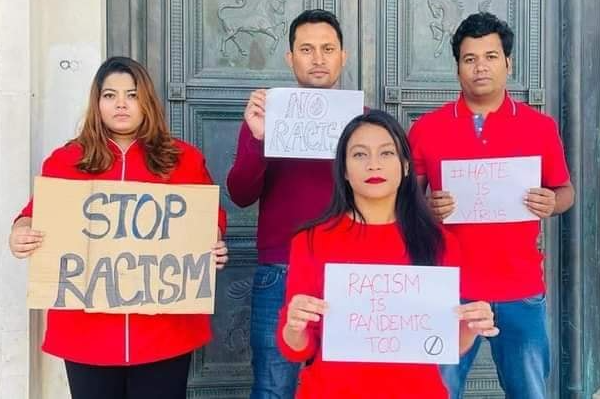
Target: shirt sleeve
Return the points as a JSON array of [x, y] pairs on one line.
[[555, 172], [303, 278], [247, 175], [415, 140], [27, 211]]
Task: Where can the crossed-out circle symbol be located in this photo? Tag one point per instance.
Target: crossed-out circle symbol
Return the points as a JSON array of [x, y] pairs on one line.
[[434, 345]]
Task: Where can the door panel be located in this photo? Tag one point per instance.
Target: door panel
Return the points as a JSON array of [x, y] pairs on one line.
[[218, 52], [418, 66]]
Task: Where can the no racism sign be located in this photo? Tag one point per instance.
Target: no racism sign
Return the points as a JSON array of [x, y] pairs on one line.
[[307, 123]]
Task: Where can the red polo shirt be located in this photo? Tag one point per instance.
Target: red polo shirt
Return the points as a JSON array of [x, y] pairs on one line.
[[501, 261]]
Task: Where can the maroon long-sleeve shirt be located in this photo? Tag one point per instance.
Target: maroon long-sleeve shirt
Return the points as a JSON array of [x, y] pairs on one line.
[[290, 193]]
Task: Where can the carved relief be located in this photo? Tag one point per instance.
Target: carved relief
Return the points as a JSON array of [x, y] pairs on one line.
[[237, 336], [448, 15], [240, 289], [251, 17]]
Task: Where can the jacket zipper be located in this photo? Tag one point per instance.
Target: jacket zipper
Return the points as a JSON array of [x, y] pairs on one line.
[[123, 165]]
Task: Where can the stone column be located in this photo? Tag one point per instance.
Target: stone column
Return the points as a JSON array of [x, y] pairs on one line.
[[15, 95], [580, 247]]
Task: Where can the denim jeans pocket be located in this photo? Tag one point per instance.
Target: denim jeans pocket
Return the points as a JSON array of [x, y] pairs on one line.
[[267, 277], [535, 300]]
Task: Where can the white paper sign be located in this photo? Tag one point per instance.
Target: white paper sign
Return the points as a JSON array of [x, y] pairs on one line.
[[392, 314], [491, 190], [307, 123]]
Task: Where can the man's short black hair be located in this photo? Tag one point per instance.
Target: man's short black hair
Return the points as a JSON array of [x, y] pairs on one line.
[[313, 17], [479, 25]]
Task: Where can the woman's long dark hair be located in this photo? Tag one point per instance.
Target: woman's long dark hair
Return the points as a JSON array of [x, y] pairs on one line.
[[421, 231]]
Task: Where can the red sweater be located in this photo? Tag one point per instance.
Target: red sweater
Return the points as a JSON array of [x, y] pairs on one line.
[[116, 339], [290, 193], [344, 243]]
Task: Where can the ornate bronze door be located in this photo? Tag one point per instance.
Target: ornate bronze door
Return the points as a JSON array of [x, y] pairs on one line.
[[207, 55]]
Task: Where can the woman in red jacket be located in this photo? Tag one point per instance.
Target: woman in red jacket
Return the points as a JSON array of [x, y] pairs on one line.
[[377, 215], [124, 137]]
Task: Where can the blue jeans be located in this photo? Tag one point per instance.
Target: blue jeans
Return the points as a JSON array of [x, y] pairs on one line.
[[521, 351], [274, 377]]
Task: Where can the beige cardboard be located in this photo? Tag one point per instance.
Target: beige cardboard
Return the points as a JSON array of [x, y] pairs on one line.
[[155, 282]]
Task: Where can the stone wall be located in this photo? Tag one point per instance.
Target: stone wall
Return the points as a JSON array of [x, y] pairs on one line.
[[49, 51]]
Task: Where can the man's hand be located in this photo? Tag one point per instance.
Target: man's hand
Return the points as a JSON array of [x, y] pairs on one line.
[[541, 202], [441, 203], [254, 115]]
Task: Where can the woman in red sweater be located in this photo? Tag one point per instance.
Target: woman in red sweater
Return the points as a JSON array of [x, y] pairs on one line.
[[377, 215], [124, 137]]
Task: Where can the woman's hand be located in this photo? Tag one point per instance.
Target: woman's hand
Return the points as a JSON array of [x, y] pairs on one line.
[[219, 251], [476, 318], [23, 240], [479, 318], [302, 309]]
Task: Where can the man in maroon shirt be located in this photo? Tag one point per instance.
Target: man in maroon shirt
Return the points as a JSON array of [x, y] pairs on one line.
[[290, 193]]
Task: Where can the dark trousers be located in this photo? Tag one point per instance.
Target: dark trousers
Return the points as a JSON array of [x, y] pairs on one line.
[[166, 379]]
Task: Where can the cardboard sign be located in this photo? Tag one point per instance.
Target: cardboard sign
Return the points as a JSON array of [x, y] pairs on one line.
[[392, 314], [491, 190], [123, 247], [307, 123]]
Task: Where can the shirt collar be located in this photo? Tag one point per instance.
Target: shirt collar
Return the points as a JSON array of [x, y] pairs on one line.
[[117, 150], [507, 108]]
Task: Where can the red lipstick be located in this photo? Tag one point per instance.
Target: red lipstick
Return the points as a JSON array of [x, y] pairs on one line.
[[375, 180]]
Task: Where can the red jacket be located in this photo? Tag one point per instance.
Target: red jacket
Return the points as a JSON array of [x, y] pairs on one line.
[[117, 339], [349, 242]]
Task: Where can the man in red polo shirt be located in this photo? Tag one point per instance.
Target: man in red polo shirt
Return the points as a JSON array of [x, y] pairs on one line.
[[290, 192], [501, 262]]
